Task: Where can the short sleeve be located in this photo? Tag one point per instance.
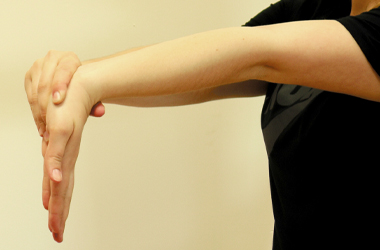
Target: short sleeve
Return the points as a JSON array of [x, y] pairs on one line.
[[365, 29], [275, 13], [297, 10]]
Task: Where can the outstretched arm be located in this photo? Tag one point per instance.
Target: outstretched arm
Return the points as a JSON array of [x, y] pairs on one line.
[[319, 54]]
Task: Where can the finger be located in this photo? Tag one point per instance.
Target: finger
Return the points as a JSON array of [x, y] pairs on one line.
[[65, 213], [45, 191], [45, 180], [65, 71], [61, 193], [98, 110], [44, 85], [57, 138], [31, 83], [59, 204], [56, 208]]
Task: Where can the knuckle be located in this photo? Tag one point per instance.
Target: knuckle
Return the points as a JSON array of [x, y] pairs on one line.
[[55, 220], [33, 99], [37, 64], [27, 78], [59, 130], [70, 64], [64, 70], [42, 86], [73, 58], [42, 101], [26, 85], [58, 195], [72, 54], [43, 114], [54, 161], [30, 101], [41, 125], [51, 53], [62, 81]]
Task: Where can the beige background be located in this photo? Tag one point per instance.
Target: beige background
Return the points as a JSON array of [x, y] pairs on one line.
[[190, 177]]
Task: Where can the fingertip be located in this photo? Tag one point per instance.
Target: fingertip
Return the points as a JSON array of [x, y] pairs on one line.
[[41, 129], [45, 191], [98, 110], [58, 237], [45, 201], [41, 132]]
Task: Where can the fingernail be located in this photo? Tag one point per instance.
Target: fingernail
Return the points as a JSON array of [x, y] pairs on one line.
[[56, 96], [57, 175]]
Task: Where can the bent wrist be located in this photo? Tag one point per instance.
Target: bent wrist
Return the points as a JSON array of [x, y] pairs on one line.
[[85, 77]]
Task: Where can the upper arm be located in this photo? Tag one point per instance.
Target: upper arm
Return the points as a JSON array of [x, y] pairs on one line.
[[317, 54], [250, 88]]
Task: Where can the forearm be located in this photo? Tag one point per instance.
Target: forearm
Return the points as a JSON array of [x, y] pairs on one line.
[[249, 88], [187, 64], [113, 55]]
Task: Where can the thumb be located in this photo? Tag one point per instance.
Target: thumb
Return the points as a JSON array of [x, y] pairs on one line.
[[64, 72]]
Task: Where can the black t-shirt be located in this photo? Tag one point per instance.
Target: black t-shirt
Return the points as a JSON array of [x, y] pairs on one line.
[[323, 147]]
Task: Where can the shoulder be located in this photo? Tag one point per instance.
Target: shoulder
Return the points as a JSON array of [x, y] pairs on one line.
[[319, 54]]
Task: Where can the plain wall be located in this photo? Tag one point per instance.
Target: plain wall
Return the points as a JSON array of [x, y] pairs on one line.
[[193, 177]]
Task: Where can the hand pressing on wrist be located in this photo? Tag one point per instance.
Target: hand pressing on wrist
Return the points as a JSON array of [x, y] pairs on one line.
[[48, 79]]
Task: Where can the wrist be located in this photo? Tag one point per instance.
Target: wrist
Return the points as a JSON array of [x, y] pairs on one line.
[[85, 78]]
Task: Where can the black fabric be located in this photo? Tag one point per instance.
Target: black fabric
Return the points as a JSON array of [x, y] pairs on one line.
[[365, 28], [323, 147], [298, 10]]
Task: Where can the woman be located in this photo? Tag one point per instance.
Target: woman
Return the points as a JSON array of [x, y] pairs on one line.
[[319, 119]]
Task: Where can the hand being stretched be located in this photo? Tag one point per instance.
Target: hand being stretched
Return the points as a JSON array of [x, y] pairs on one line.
[[60, 120], [64, 126]]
